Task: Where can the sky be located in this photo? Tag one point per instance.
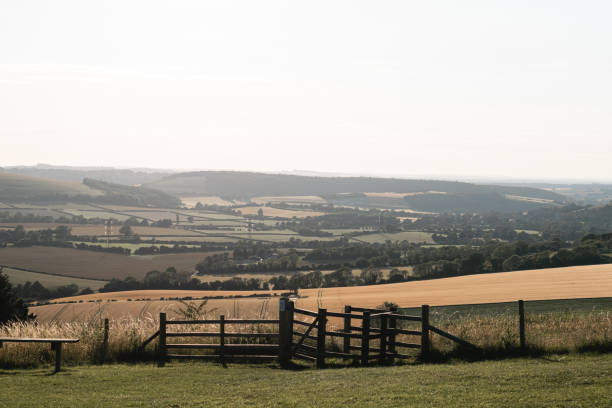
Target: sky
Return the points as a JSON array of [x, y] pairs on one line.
[[506, 89]]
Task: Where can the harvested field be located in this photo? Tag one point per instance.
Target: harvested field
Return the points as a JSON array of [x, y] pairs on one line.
[[94, 265], [278, 212], [559, 283], [410, 236], [289, 199]]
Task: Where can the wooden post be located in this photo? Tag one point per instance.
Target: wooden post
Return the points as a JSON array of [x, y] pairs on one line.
[[105, 341], [285, 331], [522, 324], [57, 347], [425, 346], [365, 338], [392, 327], [222, 339], [321, 338], [347, 329], [383, 339], [162, 339]]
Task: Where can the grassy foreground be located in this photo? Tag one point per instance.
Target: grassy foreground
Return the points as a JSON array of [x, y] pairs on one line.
[[568, 381]]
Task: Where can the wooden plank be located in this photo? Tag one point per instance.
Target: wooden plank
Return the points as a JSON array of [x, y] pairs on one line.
[[304, 312], [322, 322], [34, 340], [305, 335], [216, 334], [304, 357], [521, 306], [147, 341], [163, 351], [410, 318], [409, 345], [408, 332], [342, 334], [302, 323], [425, 332], [453, 338], [347, 328], [365, 339], [227, 321], [345, 315]]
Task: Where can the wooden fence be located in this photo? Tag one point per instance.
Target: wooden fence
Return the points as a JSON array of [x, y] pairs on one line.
[[368, 335]]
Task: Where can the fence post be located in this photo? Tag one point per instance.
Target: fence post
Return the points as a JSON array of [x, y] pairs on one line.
[[392, 327], [365, 338], [285, 331], [383, 339], [162, 339], [522, 324], [222, 339], [425, 346], [321, 338], [105, 341], [347, 329]]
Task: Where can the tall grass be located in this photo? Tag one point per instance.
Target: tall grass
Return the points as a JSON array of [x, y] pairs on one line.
[[496, 336]]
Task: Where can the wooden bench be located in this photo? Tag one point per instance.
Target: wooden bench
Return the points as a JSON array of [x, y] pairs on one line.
[[56, 345]]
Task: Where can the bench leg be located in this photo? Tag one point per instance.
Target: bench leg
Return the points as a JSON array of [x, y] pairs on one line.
[[58, 355]]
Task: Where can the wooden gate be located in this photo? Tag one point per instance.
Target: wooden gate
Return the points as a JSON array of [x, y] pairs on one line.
[[223, 350], [371, 333]]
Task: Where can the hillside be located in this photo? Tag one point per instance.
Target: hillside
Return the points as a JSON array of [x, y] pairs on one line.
[[15, 188], [423, 195], [77, 174]]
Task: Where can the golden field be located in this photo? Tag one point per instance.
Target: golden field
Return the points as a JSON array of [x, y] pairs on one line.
[[278, 212], [559, 283]]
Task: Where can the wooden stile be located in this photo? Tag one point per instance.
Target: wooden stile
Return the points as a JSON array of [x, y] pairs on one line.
[[347, 329], [162, 340]]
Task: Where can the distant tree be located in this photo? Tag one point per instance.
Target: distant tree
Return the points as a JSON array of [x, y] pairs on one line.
[[260, 212], [126, 230]]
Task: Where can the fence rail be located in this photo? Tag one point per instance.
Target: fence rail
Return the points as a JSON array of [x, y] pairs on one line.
[[367, 335]]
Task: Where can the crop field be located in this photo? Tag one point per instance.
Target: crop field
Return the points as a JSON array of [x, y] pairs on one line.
[[544, 284], [410, 236], [17, 277], [17, 185], [278, 212], [205, 200], [289, 199], [94, 265]]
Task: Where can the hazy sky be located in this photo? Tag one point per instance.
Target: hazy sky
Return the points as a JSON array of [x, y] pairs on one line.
[[453, 88]]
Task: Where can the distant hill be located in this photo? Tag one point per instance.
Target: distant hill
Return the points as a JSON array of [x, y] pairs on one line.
[[77, 174], [459, 196], [16, 188]]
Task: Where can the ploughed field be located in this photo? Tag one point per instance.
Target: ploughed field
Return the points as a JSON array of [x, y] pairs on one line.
[[558, 283], [94, 265]]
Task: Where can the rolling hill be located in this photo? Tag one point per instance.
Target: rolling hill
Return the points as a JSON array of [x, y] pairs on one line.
[[15, 188], [423, 195]]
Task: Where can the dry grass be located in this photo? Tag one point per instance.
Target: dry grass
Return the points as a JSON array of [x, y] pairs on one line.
[[95, 265]]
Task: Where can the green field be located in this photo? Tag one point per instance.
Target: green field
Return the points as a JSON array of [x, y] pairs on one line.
[[410, 236], [509, 308], [567, 381], [17, 277]]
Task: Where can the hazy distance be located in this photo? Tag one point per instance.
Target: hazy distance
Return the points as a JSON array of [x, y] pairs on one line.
[[506, 90]]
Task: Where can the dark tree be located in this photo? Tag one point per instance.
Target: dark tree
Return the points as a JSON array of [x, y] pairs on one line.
[[11, 307]]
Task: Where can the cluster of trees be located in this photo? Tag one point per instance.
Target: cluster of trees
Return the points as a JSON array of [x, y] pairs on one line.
[[19, 236], [171, 279], [36, 291]]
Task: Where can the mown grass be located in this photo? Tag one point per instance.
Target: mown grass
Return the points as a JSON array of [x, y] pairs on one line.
[[566, 381]]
